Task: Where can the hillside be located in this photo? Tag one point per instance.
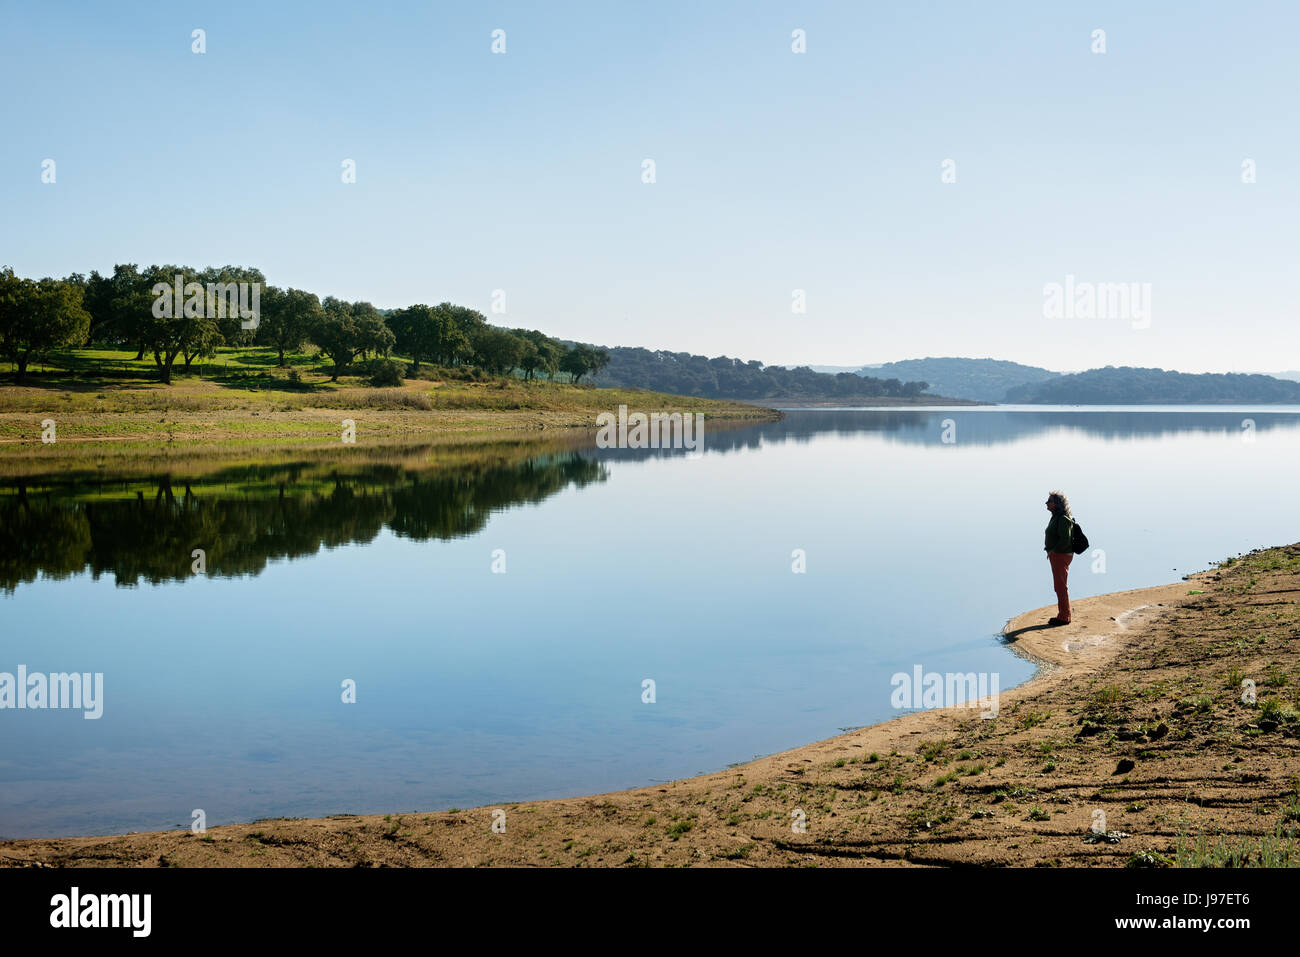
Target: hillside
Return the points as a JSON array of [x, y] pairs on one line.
[[984, 380], [681, 373], [240, 397], [1131, 386]]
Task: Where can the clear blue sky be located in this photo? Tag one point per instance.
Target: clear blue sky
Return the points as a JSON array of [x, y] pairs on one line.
[[775, 171]]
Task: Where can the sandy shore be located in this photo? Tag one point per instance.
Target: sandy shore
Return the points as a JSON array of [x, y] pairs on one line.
[[300, 428], [1131, 740]]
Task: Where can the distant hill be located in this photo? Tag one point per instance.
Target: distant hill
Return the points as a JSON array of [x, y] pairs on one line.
[[1130, 386], [985, 380], [829, 370], [978, 380], [681, 373]]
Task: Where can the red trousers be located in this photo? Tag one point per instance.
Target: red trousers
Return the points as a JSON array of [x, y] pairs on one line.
[[1060, 569]]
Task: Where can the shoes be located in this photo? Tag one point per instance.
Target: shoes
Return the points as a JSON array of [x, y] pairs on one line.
[[1056, 621]]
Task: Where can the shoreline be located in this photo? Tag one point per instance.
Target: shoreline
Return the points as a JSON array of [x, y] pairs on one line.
[[871, 403], [268, 409], [141, 442], [931, 792], [295, 428]]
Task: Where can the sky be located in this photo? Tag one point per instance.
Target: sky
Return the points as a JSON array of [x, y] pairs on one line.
[[515, 182]]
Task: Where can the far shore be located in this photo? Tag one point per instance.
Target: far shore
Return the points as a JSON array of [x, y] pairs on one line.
[[874, 402], [195, 413], [243, 399], [1131, 746]]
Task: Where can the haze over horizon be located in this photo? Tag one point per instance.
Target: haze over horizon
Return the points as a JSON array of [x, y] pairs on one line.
[[775, 171], [850, 367]]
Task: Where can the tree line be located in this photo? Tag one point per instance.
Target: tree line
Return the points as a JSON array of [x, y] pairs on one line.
[[39, 317], [1127, 385], [724, 377]]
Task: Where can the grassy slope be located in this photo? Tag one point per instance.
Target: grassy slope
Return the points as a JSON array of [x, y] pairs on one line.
[[240, 395]]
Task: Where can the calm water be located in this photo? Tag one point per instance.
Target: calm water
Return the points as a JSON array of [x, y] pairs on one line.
[[222, 691]]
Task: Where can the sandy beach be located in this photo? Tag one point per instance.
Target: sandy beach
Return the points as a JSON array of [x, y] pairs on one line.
[[1131, 740]]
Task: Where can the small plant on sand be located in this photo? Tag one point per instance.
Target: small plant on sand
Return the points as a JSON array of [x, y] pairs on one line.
[[1012, 794], [1106, 697], [1200, 704], [1270, 709], [930, 750], [678, 829]]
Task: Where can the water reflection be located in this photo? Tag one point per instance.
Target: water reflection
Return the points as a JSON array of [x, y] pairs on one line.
[[144, 526], [988, 427], [147, 527], [480, 688]]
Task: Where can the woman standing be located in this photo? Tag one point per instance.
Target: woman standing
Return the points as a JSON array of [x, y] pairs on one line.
[[1057, 544]]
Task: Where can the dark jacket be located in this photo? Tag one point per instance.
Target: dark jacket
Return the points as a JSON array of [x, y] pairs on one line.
[[1059, 532]]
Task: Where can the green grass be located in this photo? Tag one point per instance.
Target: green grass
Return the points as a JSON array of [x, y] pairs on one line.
[[678, 829], [930, 750], [1107, 697], [1033, 719], [108, 380], [1279, 849], [233, 400]]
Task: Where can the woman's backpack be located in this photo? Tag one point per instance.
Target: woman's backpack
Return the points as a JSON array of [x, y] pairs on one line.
[[1078, 540]]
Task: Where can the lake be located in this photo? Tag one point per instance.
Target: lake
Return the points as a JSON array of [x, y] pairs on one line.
[[499, 607]]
